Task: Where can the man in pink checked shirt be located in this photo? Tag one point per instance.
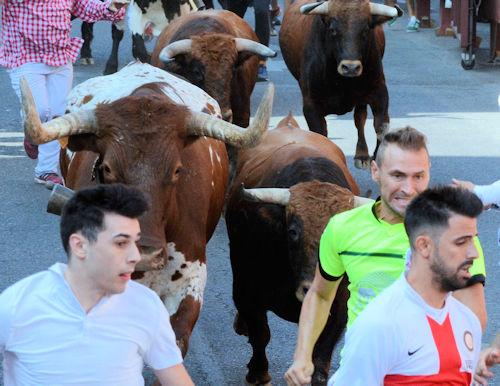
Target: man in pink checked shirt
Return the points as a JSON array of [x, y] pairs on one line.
[[35, 43]]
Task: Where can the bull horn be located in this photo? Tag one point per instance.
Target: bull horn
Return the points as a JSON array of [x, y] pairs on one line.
[[280, 196], [199, 124], [254, 47], [358, 201], [58, 198], [178, 47], [320, 8], [83, 121], [385, 10]]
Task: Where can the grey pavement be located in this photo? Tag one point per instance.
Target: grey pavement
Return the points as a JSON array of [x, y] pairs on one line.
[[458, 110]]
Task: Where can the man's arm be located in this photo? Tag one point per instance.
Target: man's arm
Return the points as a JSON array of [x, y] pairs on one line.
[[473, 297], [313, 317], [174, 376]]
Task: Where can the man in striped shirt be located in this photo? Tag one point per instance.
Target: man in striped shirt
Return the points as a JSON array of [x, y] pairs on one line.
[[35, 43]]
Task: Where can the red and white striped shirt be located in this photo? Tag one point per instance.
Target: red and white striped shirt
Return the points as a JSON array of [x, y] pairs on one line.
[[39, 30]]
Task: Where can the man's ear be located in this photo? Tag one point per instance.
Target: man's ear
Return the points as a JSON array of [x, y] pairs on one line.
[[375, 171], [424, 246], [78, 245]]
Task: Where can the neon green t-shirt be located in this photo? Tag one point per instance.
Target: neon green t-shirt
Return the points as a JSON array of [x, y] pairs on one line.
[[371, 252]]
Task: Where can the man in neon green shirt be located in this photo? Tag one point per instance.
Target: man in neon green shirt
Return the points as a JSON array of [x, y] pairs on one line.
[[369, 244]]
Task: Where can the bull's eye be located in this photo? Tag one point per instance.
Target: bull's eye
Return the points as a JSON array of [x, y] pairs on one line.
[[293, 234], [333, 28], [106, 169], [177, 173]]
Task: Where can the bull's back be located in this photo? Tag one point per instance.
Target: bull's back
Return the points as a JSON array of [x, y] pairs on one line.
[[283, 146], [216, 21], [294, 34]]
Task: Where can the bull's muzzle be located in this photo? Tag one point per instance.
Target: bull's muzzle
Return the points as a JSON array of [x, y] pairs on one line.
[[350, 68]]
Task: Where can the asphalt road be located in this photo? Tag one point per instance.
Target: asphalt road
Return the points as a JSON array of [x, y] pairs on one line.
[[458, 110]]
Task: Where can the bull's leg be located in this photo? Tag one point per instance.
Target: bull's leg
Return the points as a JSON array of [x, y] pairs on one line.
[[112, 63], [87, 36], [315, 120], [361, 158], [139, 49], [334, 327], [183, 321], [380, 110], [258, 336]]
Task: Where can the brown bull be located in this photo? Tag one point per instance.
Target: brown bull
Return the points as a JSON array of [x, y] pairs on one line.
[[274, 242], [216, 51], [177, 157], [334, 49]]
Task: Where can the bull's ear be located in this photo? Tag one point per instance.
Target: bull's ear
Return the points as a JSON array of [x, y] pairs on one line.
[[82, 142]]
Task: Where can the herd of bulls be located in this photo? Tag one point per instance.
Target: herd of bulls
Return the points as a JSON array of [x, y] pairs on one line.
[[177, 130]]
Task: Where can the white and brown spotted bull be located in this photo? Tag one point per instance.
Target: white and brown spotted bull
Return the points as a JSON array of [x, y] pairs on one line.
[[294, 181], [158, 139], [334, 49], [218, 52]]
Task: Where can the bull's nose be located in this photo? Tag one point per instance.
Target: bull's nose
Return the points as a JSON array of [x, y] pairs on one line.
[[350, 68], [227, 115], [302, 290]]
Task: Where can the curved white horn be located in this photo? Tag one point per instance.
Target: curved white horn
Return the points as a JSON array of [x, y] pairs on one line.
[[204, 124], [384, 10], [83, 121], [280, 196], [175, 48], [320, 8], [253, 46]]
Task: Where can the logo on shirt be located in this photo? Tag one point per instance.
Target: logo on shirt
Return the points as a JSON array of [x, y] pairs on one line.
[[468, 340], [410, 353]]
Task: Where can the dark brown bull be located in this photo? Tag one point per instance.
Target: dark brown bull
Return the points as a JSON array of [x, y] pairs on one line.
[[274, 243], [165, 150], [334, 49], [216, 51]]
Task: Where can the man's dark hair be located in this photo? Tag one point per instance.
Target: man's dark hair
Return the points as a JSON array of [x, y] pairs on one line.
[[407, 138], [433, 208], [85, 211]]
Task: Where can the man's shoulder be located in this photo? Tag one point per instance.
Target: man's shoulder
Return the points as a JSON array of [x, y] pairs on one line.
[[463, 313], [137, 292], [353, 217], [385, 308], [37, 280]]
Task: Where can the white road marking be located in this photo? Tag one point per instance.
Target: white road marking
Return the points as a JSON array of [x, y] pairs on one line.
[[445, 132]]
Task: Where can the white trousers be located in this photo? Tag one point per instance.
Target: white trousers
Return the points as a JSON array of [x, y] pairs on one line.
[[50, 86]]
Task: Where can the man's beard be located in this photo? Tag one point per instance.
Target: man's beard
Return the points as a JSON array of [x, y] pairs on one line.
[[445, 277]]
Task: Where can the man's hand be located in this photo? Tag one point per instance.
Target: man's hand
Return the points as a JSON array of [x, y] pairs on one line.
[[462, 184], [116, 5], [299, 373], [488, 358]]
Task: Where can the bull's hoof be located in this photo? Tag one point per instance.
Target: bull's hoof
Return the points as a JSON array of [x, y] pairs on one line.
[[86, 61], [239, 325], [362, 163]]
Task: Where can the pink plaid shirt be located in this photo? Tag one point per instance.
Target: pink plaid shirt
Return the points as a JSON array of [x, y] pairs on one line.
[[39, 30]]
